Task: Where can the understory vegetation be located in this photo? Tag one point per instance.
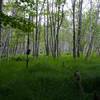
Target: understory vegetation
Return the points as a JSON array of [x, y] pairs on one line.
[[47, 78]]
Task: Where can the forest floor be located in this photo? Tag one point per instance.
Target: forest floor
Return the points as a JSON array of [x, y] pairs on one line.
[[47, 78]]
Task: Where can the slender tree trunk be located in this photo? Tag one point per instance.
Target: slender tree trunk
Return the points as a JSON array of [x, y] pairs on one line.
[[28, 51], [57, 34], [33, 42], [74, 33], [60, 20], [53, 31], [1, 2], [5, 47], [36, 34], [47, 32], [92, 34], [51, 37], [46, 37], [79, 28]]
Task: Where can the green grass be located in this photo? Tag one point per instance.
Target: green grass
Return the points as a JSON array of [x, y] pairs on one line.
[[48, 78]]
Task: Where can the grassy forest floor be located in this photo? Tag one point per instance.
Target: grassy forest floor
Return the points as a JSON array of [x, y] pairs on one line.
[[48, 78]]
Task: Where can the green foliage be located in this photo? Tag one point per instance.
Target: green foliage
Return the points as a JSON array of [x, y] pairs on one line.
[[59, 2], [28, 1], [17, 22]]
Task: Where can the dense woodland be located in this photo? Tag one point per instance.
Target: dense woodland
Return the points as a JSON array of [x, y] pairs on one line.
[[49, 27], [49, 49]]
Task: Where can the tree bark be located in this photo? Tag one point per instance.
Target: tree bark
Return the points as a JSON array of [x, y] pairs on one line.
[[92, 33], [74, 33], [1, 2], [79, 28]]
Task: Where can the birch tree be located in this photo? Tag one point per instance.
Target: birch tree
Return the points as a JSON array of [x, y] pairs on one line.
[[1, 3], [79, 28]]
